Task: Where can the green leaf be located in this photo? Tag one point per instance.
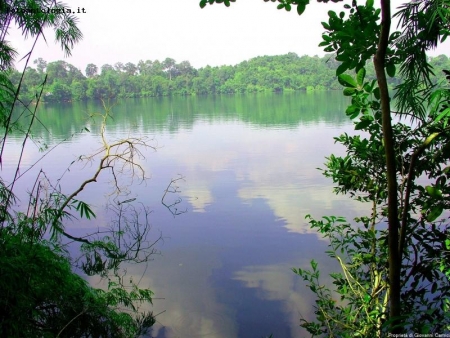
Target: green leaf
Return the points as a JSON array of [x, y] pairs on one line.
[[324, 24], [434, 287], [349, 91], [352, 112], [363, 124], [368, 87], [360, 76], [314, 265], [342, 68], [376, 93], [433, 191], [442, 115], [347, 81], [390, 69], [435, 212], [288, 7], [301, 8], [280, 6], [84, 209], [369, 3]]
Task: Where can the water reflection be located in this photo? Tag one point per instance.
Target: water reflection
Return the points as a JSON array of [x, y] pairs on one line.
[[249, 164]]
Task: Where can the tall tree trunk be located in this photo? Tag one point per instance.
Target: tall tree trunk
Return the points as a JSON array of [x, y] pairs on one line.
[[394, 223]]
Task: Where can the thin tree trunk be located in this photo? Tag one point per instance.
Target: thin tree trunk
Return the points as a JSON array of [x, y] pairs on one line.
[[394, 224]]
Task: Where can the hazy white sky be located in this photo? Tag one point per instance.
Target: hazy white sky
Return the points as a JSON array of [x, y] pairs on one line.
[[129, 31]]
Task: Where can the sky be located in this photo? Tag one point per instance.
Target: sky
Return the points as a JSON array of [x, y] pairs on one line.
[[129, 31]]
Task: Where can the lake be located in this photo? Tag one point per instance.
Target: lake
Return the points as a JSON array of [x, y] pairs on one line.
[[249, 173]]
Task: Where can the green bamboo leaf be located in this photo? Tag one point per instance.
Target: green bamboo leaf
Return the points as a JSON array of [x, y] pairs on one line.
[[441, 115], [314, 265]]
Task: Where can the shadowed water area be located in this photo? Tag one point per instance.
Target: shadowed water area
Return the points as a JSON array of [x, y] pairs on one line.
[[249, 173]]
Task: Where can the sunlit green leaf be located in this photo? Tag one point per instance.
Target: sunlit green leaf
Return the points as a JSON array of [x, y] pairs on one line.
[[360, 76], [347, 81], [433, 191]]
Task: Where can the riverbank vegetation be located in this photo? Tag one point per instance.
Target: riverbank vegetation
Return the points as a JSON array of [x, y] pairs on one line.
[[44, 266], [156, 78]]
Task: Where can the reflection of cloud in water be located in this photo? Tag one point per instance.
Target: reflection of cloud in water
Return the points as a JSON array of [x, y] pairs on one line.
[[288, 203], [189, 304], [199, 195], [289, 181], [279, 283]]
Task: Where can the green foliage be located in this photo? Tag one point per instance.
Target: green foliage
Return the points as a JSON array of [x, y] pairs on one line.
[[42, 296], [421, 152], [357, 32], [152, 78], [358, 305]]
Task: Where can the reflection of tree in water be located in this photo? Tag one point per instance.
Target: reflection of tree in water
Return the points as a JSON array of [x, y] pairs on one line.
[[267, 110]]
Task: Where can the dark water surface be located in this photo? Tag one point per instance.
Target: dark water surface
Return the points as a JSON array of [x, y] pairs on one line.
[[249, 168]]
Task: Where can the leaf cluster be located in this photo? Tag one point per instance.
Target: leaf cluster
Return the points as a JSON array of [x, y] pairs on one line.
[[43, 297], [422, 154]]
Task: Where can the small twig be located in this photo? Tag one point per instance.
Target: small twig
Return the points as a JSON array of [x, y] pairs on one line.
[[173, 189], [78, 315]]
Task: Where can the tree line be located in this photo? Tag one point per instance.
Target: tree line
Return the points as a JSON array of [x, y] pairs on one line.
[[289, 72]]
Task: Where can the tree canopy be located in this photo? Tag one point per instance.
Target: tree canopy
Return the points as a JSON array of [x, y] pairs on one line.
[[280, 73]]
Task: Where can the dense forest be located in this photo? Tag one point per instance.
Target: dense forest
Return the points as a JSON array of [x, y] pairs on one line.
[[280, 73]]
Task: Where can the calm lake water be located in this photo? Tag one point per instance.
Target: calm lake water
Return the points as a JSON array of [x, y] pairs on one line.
[[249, 168]]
